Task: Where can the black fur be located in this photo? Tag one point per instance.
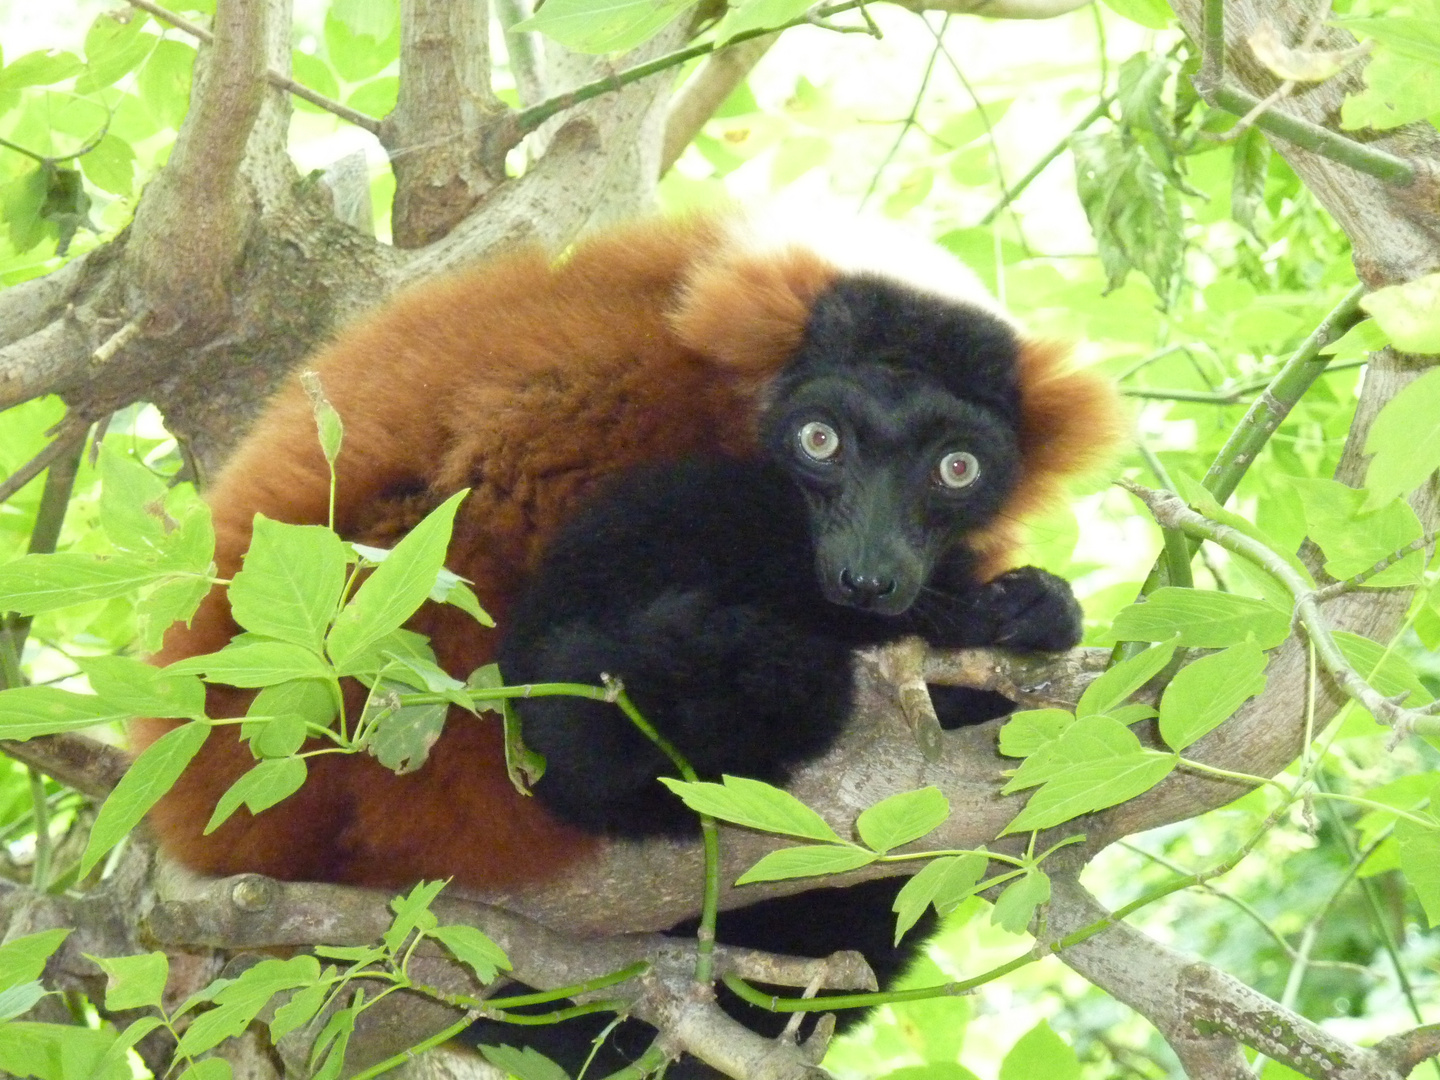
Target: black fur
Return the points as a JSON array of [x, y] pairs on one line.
[[728, 596]]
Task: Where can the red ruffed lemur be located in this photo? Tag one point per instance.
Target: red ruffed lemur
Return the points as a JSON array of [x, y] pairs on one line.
[[703, 459]]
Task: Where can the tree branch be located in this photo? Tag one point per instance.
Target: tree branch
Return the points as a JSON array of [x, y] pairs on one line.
[[277, 79], [443, 114], [1394, 230], [1203, 1013], [89, 766], [1170, 511], [191, 223], [705, 91]]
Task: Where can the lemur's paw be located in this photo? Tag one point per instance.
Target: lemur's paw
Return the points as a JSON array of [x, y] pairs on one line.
[[1033, 610]]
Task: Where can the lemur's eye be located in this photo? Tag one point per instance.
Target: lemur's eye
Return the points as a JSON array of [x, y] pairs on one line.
[[957, 470], [819, 441]]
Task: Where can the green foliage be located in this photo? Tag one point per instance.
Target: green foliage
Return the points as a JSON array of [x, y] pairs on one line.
[[1405, 440], [1237, 265], [614, 27]]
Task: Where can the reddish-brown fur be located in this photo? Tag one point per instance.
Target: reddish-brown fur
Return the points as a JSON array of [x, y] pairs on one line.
[[527, 382]]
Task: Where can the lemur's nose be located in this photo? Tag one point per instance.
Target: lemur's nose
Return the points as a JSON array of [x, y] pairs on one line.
[[864, 589]]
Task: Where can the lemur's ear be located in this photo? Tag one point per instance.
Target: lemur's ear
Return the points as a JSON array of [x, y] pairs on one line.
[[748, 311], [1070, 422]]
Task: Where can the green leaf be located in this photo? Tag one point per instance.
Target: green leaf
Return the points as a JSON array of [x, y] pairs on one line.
[[113, 49], [376, 97], [240, 1001], [153, 773], [1389, 672], [164, 82], [755, 805], [398, 586], [18, 1000], [1099, 762], [1205, 692], [266, 784], [165, 603], [1198, 497], [1153, 14], [1355, 540], [30, 711], [1399, 89], [944, 882], [1207, 620], [902, 818], [807, 861], [1405, 439], [190, 544], [116, 1060], [1115, 686], [1133, 210], [24, 196], [291, 582], [611, 26], [526, 1064], [451, 589], [1026, 732], [301, 1008], [377, 19], [110, 165], [59, 1052], [209, 1069], [255, 663], [1250, 170], [402, 737], [1040, 1052], [132, 687], [42, 67], [277, 708], [358, 54], [37, 583], [134, 982], [328, 424], [313, 72], [473, 949], [335, 1039], [22, 960], [412, 912], [1015, 907], [753, 14], [131, 500], [275, 736], [1420, 863], [1132, 714], [1416, 37]]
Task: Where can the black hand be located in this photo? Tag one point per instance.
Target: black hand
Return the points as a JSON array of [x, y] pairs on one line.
[[1030, 609]]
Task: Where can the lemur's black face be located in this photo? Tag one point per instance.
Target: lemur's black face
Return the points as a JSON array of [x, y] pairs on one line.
[[895, 471], [896, 420]]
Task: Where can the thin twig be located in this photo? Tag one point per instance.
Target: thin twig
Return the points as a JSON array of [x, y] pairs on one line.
[[1170, 511], [69, 434], [527, 120], [910, 119], [1234, 396], [273, 77], [1329, 592], [1011, 194]]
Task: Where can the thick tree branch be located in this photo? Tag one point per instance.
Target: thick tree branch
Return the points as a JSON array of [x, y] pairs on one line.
[[1395, 232], [30, 306], [705, 91], [190, 227], [443, 113], [89, 766]]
